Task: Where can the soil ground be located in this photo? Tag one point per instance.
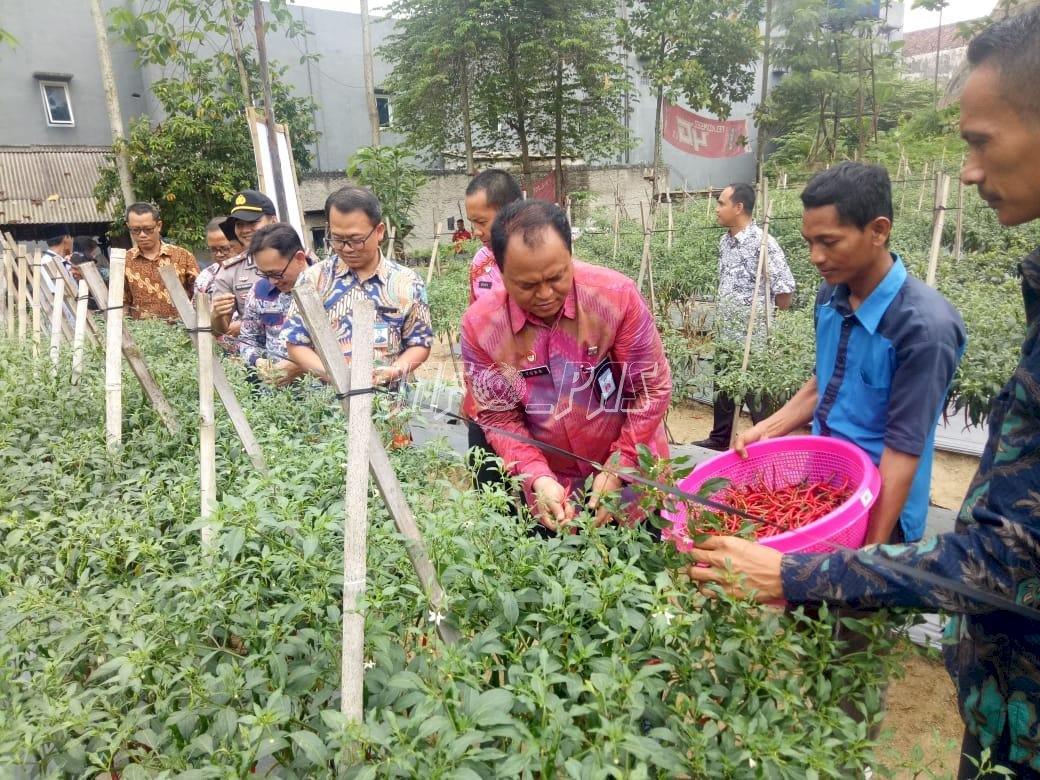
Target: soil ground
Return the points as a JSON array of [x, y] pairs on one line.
[[922, 705]]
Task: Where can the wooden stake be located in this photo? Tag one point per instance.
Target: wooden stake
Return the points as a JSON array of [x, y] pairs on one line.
[[113, 350], [433, 254], [937, 227], [9, 293], [671, 223], [207, 423], [99, 290], [327, 346], [82, 297], [355, 528], [454, 362], [711, 203], [37, 317], [958, 238], [644, 263], [23, 292], [924, 186], [220, 381], [57, 318], [617, 222]]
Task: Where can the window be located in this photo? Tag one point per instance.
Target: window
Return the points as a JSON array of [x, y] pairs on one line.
[[56, 103], [383, 108]]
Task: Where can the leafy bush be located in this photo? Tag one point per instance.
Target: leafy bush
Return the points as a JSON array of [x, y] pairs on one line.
[[126, 646]]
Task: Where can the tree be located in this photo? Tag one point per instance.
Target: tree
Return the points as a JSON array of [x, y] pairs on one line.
[[395, 181], [701, 51], [192, 161], [940, 6]]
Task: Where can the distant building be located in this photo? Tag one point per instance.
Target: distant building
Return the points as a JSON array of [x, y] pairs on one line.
[[919, 50]]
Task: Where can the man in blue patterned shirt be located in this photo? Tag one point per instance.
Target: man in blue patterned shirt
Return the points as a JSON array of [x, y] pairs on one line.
[[357, 269], [280, 258], [992, 655]]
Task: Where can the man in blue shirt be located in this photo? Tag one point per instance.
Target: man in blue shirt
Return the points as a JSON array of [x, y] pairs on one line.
[[887, 347], [992, 654]]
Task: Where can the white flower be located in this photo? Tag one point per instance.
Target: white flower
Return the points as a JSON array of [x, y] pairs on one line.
[[369, 663], [435, 616], [665, 615], [751, 763]]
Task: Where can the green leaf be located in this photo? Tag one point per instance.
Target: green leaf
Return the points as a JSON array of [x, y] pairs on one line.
[[311, 745]]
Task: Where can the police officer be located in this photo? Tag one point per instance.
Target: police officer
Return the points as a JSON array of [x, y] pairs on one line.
[[250, 211]]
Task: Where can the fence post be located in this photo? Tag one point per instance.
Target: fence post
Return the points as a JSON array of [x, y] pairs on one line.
[[23, 292], [37, 315], [9, 291], [958, 237], [433, 254], [939, 218], [80, 332], [207, 423], [57, 317], [113, 352]]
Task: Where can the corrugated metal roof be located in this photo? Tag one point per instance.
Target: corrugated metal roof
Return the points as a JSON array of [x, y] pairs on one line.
[[51, 184]]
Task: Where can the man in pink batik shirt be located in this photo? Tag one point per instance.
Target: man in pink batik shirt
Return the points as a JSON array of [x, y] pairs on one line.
[[566, 353], [486, 193]]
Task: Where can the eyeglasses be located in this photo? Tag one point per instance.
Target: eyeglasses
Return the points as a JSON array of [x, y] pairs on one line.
[[222, 251], [276, 275], [143, 231], [350, 244]]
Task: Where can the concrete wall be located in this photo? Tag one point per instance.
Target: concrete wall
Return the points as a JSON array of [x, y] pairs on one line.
[[57, 36]]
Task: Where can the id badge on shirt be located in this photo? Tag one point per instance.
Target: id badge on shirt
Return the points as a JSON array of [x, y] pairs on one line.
[[603, 380]]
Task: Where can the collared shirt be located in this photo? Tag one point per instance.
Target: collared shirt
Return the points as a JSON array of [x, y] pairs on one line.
[[399, 295], [595, 383], [238, 276], [738, 267], [145, 292], [884, 371], [484, 276], [50, 256], [263, 324], [993, 656], [204, 281]]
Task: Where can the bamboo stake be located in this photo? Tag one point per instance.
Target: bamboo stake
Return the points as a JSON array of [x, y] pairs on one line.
[[220, 381], [762, 261], [355, 528], [454, 362], [99, 290], [433, 254], [78, 335], [767, 299], [617, 221], [207, 424], [23, 292], [113, 350], [644, 262], [711, 202], [671, 223], [57, 318], [958, 238], [65, 314], [9, 292], [327, 346], [924, 186], [937, 227], [37, 318]]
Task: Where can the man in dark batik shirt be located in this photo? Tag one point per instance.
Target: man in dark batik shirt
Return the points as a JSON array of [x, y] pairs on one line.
[[992, 655]]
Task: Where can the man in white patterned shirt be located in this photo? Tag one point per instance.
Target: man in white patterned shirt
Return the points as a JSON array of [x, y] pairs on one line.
[[739, 251]]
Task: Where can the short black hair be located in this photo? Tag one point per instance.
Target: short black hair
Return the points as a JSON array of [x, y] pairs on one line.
[[1012, 46], [215, 225], [352, 198], [861, 193], [84, 244], [56, 240], [142, 208], [744, 194], [499, 187], [281, 236], [529, 218]]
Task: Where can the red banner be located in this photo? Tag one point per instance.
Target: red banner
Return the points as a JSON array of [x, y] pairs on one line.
[[702, 136], [545, 188]]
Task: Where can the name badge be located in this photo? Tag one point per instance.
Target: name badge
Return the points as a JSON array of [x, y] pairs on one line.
[[604, 377], [483, 285], [527, 373], [246, 285]]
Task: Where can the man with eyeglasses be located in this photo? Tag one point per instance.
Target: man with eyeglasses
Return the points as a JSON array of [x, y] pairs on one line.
[[280, 259], [221, 248], [145, 294], [250, 211], [356, 269]]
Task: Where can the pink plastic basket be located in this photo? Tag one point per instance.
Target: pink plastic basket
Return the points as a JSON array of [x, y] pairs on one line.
[[791, 459]]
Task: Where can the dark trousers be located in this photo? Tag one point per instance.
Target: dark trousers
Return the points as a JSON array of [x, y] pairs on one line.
[[999, 753], [725, 406], [483, 458]]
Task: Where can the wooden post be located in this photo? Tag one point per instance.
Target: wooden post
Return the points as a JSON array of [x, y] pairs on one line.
[[924, 186], [207, 424], [958, 238], [763, 259], [23, 292], [220, 381], [37, 316], [617, 222], [65, 315], [355, 528], [937, 226], [644, 263], [113, 350], [767, 299], [327, 346], [57, 318], [671, 221], [902, 190], [82, 297], [433, 254], [72, 292], [711, 202], [454, 362], [9, 293], [99, 290]]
